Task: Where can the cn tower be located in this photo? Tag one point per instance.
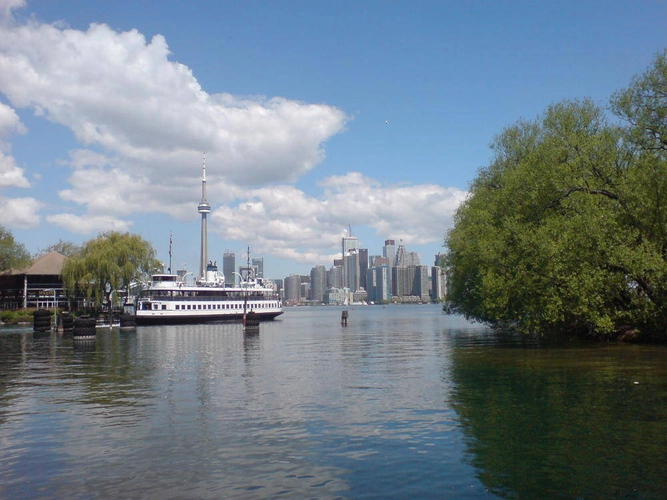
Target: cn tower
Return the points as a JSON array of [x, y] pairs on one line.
[[203, 208]]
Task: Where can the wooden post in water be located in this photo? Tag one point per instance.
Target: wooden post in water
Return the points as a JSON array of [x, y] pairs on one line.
[[343, 318]]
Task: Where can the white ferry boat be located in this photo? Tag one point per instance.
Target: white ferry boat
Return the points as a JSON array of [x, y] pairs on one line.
[[169, 299]]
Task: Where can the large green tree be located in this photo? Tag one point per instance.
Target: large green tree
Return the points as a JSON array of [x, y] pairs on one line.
[[565, 229], [112, 261], [13, 255]]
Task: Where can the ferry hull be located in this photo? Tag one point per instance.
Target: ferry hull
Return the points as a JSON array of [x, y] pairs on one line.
[[161, 318]]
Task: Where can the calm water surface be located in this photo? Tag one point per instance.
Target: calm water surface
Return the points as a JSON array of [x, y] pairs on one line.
[[404, 402]]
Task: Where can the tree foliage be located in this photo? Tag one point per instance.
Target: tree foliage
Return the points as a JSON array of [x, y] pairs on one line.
[[566, 229], [66, 248], [112, 261], [13, 255]]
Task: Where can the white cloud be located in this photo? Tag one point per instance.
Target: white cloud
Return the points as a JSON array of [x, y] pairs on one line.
[[6, 7], [10, 122], [285, 222], [143, 123], [121, 93], [10, 173], [88, 224], [20, 212]]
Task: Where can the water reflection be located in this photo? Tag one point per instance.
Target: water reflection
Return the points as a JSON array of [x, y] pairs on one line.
[[403, 402], [575, 420]]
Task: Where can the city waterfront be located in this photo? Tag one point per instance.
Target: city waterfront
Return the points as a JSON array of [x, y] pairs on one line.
[[403, 402]]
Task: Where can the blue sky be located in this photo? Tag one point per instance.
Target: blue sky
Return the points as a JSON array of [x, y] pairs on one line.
[[315, 115]]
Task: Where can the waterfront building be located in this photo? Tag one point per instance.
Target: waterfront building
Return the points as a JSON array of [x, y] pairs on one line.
[[358, 296], [39, 285], [336, 296]]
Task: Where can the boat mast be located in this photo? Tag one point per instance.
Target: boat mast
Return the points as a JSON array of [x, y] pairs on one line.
[[247, 281], [203, 208], [170, 243]]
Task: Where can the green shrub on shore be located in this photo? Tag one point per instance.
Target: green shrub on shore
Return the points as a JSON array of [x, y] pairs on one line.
[[16, 317]]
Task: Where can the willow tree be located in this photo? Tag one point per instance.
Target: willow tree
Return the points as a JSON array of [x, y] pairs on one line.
[[565, 229], [112, 261]]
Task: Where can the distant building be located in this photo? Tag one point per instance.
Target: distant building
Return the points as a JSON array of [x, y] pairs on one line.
[[359, 296], [292, 289], [318, 283], [421, 286], [350, 258], [248, 272], [228, 267], [336, 296], [258, 264], [405, 258], [401, 280], [335, 277], [389, 251], [363, 267], [378, 280], [351, 270], [382, 283], [438, 283]]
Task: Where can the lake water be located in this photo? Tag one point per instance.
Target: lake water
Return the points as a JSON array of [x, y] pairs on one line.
[[403, 402]]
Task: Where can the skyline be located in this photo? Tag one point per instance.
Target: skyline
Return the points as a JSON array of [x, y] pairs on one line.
[[314, 116]]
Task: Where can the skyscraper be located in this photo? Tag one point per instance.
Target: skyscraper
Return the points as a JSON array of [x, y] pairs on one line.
[[293, 289], [228, 268], [351, 270], [382, 284], [363, 267], [438, 283], [389, 251], [335, 277], [318, 283], [350, 249], [405, 258]]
